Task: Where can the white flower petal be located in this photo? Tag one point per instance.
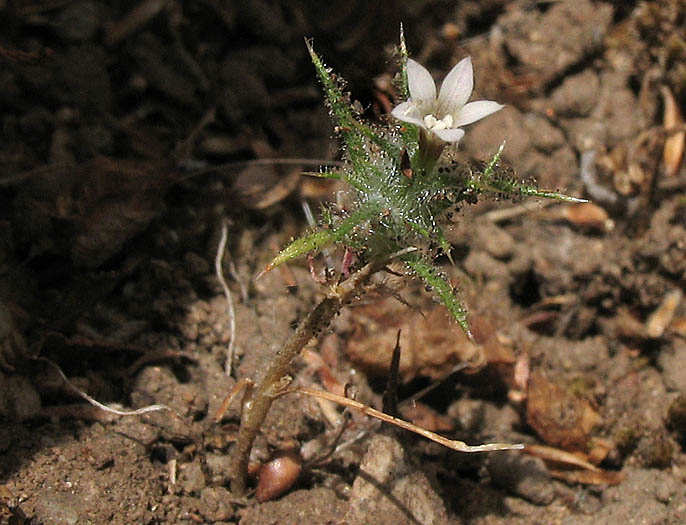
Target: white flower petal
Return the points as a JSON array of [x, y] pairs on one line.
[[408, 112], [422, 86], [456, 88], [449, 135], [475, 111]]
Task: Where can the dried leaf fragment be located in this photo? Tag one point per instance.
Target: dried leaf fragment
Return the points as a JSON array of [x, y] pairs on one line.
[[588, 215], [432, 346], [587, 477], [660, 319], [560, 417], [560, 458], [573, 467], [674, 145]]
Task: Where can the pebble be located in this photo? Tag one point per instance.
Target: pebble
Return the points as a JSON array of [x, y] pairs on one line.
[[219, 467], [191, 477], [58, 508], [496, 241], [578, 94], [673, 363], [18, 398], [522, 475], [216, 503]]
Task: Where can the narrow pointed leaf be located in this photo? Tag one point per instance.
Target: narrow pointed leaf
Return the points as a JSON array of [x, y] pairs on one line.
[[445, 245], [352, 131], [390, 148], [443, 290], [531, 191], [403, 84], [340, 109], [313, 242], [324, 174], [496, 182], [409, 132]]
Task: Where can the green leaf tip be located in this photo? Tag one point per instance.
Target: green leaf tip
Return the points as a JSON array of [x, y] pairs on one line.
[[351, 131], [323, 174], [442, 289], [554, 195], [313, 242], [403, 84], [495, 182], [316, 241]]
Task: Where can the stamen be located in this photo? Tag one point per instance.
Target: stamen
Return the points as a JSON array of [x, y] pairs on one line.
[[432, 122]]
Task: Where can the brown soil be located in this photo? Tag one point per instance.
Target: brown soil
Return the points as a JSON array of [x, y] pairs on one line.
[[124, 135]]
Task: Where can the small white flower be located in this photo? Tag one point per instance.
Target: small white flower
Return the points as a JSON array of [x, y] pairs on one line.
[[444, 115]]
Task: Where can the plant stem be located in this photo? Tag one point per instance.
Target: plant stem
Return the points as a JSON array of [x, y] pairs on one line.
[[430, 149], [257, 403]]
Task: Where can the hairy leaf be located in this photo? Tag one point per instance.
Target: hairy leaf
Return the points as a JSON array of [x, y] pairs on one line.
[[442, 288]]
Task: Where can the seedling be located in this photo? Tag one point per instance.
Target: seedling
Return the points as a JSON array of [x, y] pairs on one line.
[[402, 183]]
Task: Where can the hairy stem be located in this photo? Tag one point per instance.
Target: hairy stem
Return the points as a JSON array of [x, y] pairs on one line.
[[257, 403]]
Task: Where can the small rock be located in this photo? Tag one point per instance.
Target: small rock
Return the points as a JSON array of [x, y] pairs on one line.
[[316, 505], [58, 508], [656, 450], [216, 501], [191, 477], [142, 432], [676, 416], [496, 241], [522, 475], [386, 478], [665, 491], [18, 398], [219, 466], [578, 356], [578, 94], [673, 363], [480, 264], [544, 136], [552, 41]]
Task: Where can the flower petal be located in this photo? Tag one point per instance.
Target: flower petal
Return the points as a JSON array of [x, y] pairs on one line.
[[449, 135], [475, 111], [422, 86], [408, 112], [456, 88]]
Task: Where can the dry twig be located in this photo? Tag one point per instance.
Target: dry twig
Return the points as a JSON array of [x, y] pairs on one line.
[[453, 444], [94, 402], [229, 299]]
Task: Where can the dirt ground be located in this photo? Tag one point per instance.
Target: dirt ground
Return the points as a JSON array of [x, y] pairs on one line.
[[130, 132]]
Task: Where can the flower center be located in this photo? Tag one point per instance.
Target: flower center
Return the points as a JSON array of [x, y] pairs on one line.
[[432, 122]]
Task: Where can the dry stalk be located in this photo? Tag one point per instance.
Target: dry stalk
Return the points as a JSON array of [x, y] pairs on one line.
[[221, 249], [98, 404], [453, 444], [256, 402]]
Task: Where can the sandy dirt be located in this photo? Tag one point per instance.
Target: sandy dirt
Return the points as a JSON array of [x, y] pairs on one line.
[[126, 127]]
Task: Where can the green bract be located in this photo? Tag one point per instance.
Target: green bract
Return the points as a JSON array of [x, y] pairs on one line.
[[401, 184]]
